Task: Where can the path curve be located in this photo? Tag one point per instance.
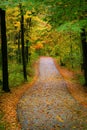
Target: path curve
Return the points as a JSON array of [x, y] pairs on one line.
[[48, 105]]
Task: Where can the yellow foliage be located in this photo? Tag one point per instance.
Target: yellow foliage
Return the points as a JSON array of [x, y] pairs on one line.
[[39, 45], [17, 25]]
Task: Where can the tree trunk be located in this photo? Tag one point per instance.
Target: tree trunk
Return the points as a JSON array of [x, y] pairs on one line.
[[22, 42], [71, 51], [4, 52], [84, 48], [19, 49], [27, 51]]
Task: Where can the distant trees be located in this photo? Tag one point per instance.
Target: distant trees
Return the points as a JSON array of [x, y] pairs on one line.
[[21, 31], [31, 25], [63, 14]]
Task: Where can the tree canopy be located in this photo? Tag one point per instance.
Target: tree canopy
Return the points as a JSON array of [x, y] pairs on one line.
[[54, 28]]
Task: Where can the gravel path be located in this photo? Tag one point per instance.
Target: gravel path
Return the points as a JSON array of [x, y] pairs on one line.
[[48, 104]]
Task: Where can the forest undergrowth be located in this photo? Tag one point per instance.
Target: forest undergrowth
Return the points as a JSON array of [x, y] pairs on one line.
[[8, 103]]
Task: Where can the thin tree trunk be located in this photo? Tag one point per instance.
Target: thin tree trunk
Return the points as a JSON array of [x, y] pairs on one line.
[[27, 51], [84, 48], [22, 42], [4, 52], [19, 49], [27, 41], [71, 51]]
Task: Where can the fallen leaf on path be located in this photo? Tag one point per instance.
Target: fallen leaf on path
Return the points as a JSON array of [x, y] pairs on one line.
[[59, 119]]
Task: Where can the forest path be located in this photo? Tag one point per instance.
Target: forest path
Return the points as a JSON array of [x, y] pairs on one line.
[[48, 105]]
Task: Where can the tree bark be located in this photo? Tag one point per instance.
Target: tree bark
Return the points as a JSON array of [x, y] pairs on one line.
[[84, 48], [19, 49], [71, 51], [27, 51], [22, 42], [4, 52]]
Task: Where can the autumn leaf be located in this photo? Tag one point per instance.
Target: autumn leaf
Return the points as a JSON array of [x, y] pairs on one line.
[[74, 127], [59, 119]]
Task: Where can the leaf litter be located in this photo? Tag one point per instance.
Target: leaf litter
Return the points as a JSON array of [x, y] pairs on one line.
[[48, 104]]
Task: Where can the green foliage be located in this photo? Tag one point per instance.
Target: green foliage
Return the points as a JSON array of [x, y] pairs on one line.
[[81, 79], [34, 57], [74, 26], [2, 124], [66, 47], [59, 10], [66, 17], [16, 71], [15, 74], [62, 49]]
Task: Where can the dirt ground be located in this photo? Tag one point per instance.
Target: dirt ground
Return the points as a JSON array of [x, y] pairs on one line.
[[78, 91], [8, 101], [48, 105]]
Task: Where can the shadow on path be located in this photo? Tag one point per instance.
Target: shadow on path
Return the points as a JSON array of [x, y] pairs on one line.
[[48, 105]]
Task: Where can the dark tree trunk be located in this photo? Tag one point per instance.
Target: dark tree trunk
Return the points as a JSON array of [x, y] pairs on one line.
[[27, 51], [22, 42], [27, 41], [71, 51], [19, 49], [4, 52], [84, 48]]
